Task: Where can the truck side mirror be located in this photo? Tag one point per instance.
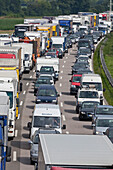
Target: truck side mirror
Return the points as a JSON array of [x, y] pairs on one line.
[[21, 86], [104, 90], [64, 127], [8, 154]]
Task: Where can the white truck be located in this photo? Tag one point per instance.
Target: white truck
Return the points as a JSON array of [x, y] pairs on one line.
[[26, 55], [9, 84], [66, 152], [46, 116], [59, 42], [93, 79], [48, 61]]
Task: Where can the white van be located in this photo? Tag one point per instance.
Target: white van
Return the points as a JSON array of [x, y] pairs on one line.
[[46, 116], [93, 79]]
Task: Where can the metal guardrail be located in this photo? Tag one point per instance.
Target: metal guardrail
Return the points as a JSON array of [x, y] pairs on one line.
[[108, 75]]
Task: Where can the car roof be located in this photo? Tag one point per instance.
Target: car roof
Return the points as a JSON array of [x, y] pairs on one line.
[[104, 106], [105, 116]]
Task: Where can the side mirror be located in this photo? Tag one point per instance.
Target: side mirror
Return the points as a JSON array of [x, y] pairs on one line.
[[29, 125], [104, 90], [58, 95], [30, 142], [21, 86], [104, 133], [8, 154], [64, 127]]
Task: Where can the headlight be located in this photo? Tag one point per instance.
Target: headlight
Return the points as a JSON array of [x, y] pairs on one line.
[[98, 133], [54, 101], [38, 100], [83, 113], [73, 86]]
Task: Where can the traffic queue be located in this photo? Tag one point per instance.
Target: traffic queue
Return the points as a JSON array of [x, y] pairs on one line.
[[42, 46]]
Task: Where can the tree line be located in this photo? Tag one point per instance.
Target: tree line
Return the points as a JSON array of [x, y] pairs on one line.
[[21, 8]]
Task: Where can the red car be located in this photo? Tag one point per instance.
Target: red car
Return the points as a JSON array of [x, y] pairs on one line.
[[75, 83]]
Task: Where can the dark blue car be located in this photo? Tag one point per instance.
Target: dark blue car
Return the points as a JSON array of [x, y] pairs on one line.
[[47, 94]]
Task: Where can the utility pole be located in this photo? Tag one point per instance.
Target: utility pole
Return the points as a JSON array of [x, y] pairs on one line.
[[110, 10]]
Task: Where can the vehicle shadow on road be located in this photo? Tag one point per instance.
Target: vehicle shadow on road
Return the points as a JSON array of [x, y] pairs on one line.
[[26, 128], [70, 111], [75, 118], [24, 160], [72, 103], [30, 107], [21, 145], [88, 127], [65, 93]]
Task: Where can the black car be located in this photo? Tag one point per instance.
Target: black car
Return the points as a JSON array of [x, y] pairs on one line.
[[79, 65], [86, 109], [41, 81], [84, 51], [47, 94]]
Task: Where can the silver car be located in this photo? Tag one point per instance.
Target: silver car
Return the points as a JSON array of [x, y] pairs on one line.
[[34, 143], [102, 123]]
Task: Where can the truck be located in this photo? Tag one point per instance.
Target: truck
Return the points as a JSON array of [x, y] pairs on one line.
[[5, 150], [66, 24], [21, 28], [74, 151], [48, 61], [59, 42], [9, 84], [26, 55], [94, 20], [10, 59]]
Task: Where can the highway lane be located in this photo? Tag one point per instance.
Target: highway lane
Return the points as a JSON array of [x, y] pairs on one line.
[[20, 146]]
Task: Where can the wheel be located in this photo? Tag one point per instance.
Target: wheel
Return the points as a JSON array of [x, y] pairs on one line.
[[32, 162], [80, 117]]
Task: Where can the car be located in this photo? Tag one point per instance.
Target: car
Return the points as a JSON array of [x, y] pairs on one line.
[[90, 38], [35, 141], [53, 50], [41, 81], [76, 66], [102, 110], [49, 76], [83, 58], [48, 70], [86, 94], [84, 43], [75, 83], [109, 133], [102, 123], [51, 54], [47, 94], [84, 51], [87, 109]]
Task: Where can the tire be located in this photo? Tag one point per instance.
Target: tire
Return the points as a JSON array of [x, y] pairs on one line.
[[31, 162], [80, 118]]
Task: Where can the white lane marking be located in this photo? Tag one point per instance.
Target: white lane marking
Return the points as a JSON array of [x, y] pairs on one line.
[[61, 71], [60, 84], [16, 133], [60, 94], [61, 104], [30, 77], [33, 71], [27, 84], [18, 116], [24, 92], [67, 132], [60, 77], [63, 117], [14, 155], [21, 103], [64, 61], [63, 66]]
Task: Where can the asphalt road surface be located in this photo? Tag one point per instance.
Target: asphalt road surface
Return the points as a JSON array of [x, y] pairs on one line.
[[20, 146]]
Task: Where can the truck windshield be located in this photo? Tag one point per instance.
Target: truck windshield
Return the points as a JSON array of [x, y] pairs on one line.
[[43, 121], [104, 111], [57, 45], [88, 94], [89, 105], [98, 86], [104, 123]]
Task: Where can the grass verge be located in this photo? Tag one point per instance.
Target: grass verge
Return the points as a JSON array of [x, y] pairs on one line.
[[108, 94]]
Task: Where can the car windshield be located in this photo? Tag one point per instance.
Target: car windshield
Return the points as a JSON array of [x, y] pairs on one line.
[[43, 121], [85, 50], [46, 69], [36, 139], [98, 86], [43, 81], [47, 92], [57, 45], [52, 50], [76, 79], [104, 123], [88, 94], [83, 44], [104, 111], [89, 105]]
